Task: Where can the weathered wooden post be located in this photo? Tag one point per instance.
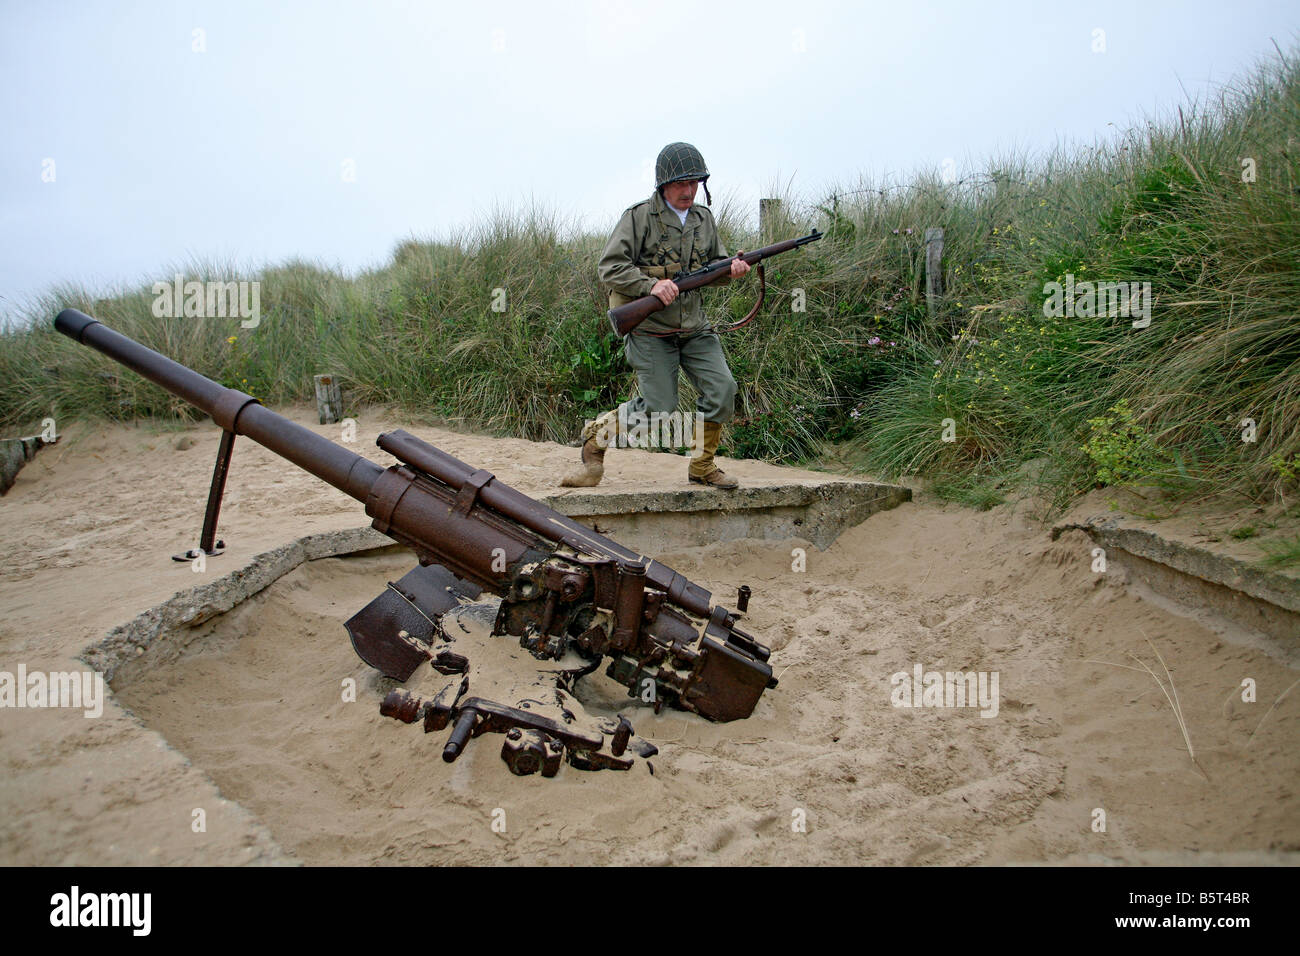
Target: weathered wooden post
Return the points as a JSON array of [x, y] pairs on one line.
[[769, 214], [329, 399], [933, 268]]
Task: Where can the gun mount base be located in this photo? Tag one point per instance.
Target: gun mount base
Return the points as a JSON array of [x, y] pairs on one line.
[[216, 549], [408, 633]]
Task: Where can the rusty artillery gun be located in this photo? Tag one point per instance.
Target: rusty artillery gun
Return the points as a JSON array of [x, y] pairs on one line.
[[570, 596]]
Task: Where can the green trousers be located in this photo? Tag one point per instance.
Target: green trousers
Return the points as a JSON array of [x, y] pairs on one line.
[[656, 361]]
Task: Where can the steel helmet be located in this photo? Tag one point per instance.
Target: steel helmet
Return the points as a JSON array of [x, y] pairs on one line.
[[678, 161]]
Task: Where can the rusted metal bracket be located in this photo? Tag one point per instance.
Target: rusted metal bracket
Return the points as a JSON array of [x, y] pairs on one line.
[[533, 741], [208, 544], [468, 493]]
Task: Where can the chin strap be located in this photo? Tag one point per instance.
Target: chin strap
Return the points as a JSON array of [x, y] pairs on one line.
[[708, 200]]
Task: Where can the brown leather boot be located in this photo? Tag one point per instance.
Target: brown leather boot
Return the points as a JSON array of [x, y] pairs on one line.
[[703, 471], [599, 434]]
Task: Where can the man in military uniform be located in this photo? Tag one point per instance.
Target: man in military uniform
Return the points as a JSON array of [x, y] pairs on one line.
[[654, 240]]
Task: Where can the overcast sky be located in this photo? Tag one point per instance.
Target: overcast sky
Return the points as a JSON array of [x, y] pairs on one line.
[[138, 136]]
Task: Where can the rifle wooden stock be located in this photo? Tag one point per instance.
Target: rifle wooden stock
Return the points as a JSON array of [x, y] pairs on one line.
[[627, 317]]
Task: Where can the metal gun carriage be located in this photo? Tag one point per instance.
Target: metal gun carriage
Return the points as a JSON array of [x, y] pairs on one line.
[[570, 596]]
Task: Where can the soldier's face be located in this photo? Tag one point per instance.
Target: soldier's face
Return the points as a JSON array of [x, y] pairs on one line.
[[681, 194]]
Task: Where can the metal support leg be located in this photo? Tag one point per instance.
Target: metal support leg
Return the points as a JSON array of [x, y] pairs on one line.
[[208, 544]]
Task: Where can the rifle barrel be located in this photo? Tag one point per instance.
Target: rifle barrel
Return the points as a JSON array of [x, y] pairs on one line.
[[628, 316]]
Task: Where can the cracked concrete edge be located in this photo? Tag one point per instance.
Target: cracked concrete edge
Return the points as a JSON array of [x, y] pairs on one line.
[[191, 607], [828, 520], [684, 500], [832, 506], [1232, 573]]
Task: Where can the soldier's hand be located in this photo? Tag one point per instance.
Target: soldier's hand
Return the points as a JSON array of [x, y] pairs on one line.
[[738, 266], [665, 290]]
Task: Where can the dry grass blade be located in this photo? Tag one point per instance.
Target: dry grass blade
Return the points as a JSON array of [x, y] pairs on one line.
[[1270, 710], [1178, 707], [1090, 660], [1173, 703]]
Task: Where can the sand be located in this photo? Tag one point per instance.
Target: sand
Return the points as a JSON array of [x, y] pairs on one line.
[[249, 726]]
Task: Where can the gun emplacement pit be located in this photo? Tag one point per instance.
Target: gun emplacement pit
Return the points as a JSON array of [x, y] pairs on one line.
[[244, 678]]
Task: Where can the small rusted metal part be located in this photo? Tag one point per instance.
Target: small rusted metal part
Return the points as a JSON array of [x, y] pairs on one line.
[[403, 705], [438, 714], [629, 602], [548, 615], [621, 737], [742, 598], [542, 646], [597, 760], [498, 718], [448, 662], [391, 635], [593, 639], [460, 734], [554, 754], [747, 645], [653, 599], [208, 542], [726, 683], [434, 589], [528, 751], [436, 718]]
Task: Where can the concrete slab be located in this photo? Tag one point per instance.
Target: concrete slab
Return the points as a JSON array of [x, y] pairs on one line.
[[1263, 601], [656, 520]]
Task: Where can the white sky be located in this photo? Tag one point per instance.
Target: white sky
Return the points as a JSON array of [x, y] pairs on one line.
[[448, 110]]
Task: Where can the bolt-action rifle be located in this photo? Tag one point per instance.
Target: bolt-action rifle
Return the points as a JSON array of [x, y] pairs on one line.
[[627, 317]]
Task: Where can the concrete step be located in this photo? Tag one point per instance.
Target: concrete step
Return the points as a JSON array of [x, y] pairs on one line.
[[657, 519]]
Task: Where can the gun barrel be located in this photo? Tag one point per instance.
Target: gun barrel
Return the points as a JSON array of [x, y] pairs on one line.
[[233, 410], [354, 475], [540, 519]]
